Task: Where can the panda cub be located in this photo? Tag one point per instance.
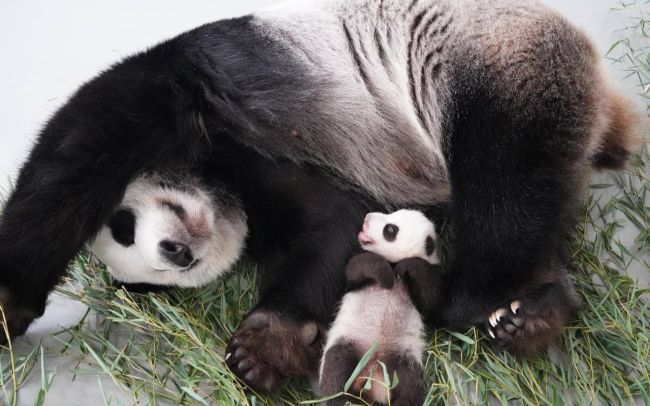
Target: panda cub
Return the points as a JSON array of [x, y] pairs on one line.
[[172, 230], [400, 248]]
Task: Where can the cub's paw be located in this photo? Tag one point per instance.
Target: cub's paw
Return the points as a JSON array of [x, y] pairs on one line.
[[530, 324], [423, 282], [269, 347], [17, 319]]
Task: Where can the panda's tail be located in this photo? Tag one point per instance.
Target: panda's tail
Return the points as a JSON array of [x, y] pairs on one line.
[[622, 131]]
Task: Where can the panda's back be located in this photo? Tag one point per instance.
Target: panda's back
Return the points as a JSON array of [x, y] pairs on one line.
[[358, 97]]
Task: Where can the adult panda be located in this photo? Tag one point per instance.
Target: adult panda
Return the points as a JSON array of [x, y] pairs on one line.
[[499, 107]]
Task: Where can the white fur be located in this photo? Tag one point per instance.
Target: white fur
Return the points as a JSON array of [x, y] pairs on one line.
[[214, 233], [373, 314], [414, 228]]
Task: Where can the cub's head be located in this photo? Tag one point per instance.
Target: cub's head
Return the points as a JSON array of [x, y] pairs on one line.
[[399, 235], [171, 233]]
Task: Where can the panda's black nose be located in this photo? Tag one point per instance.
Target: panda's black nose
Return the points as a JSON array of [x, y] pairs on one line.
[[178, 253]]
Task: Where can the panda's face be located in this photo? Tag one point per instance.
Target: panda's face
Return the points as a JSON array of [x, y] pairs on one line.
[[165, 235], [399, 235]]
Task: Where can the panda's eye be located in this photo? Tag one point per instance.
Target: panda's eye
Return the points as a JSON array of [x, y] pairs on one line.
[[390, 232], [429, 246]]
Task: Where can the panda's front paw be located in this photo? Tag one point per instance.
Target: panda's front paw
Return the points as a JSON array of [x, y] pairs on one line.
[[423, 282], [269, 347], [14, 319]]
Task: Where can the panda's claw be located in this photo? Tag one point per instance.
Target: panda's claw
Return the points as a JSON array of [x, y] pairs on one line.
[[514, 306], [495, 317], [499, 314], [491, 333]]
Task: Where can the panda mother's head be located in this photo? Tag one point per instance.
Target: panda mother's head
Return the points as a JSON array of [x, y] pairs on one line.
[[399, 235], [171, 233]]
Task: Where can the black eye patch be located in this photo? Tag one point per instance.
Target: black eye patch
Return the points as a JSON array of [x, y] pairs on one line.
[[429, 246], [122, 225], [390, 232]]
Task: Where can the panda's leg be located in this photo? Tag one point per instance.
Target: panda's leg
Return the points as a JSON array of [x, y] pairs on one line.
[[56, 206], [337, 365], [282, 336], [511, 207], [518, 166], [410, 390]]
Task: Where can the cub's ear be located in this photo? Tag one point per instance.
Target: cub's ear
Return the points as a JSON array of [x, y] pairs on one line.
[[367, 269]]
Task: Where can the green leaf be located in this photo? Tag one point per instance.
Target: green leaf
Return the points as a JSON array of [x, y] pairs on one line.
[[361, 365]]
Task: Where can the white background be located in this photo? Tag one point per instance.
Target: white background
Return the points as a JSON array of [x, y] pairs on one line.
[[49, 48]]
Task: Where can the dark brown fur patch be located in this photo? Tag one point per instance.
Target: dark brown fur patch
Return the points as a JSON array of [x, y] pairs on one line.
[[623, 136], [267, 349]]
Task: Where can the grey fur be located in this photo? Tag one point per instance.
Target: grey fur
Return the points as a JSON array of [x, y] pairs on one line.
[[378, 78]]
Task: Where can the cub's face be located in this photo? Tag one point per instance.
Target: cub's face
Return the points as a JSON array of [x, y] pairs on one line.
[[399, 235], [166, 235]]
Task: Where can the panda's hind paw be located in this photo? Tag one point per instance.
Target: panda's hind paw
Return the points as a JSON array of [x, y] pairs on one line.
[[530, 324], [504, 321], [269, 347]]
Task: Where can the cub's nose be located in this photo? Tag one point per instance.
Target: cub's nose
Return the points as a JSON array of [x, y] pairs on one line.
[[176, 252]]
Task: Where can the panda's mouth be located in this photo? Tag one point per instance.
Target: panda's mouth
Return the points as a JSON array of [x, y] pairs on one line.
[[189, 268], [192, 265], [364, 239]]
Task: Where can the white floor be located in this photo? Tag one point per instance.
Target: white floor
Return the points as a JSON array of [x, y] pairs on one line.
[[49, 48]]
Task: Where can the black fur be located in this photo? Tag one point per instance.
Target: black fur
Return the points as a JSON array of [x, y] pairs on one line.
[[339, 364], [411, 389], [423, 281], [368, 269]]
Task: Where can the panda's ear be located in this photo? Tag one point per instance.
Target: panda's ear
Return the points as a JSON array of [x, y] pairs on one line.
[[429, 246]]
